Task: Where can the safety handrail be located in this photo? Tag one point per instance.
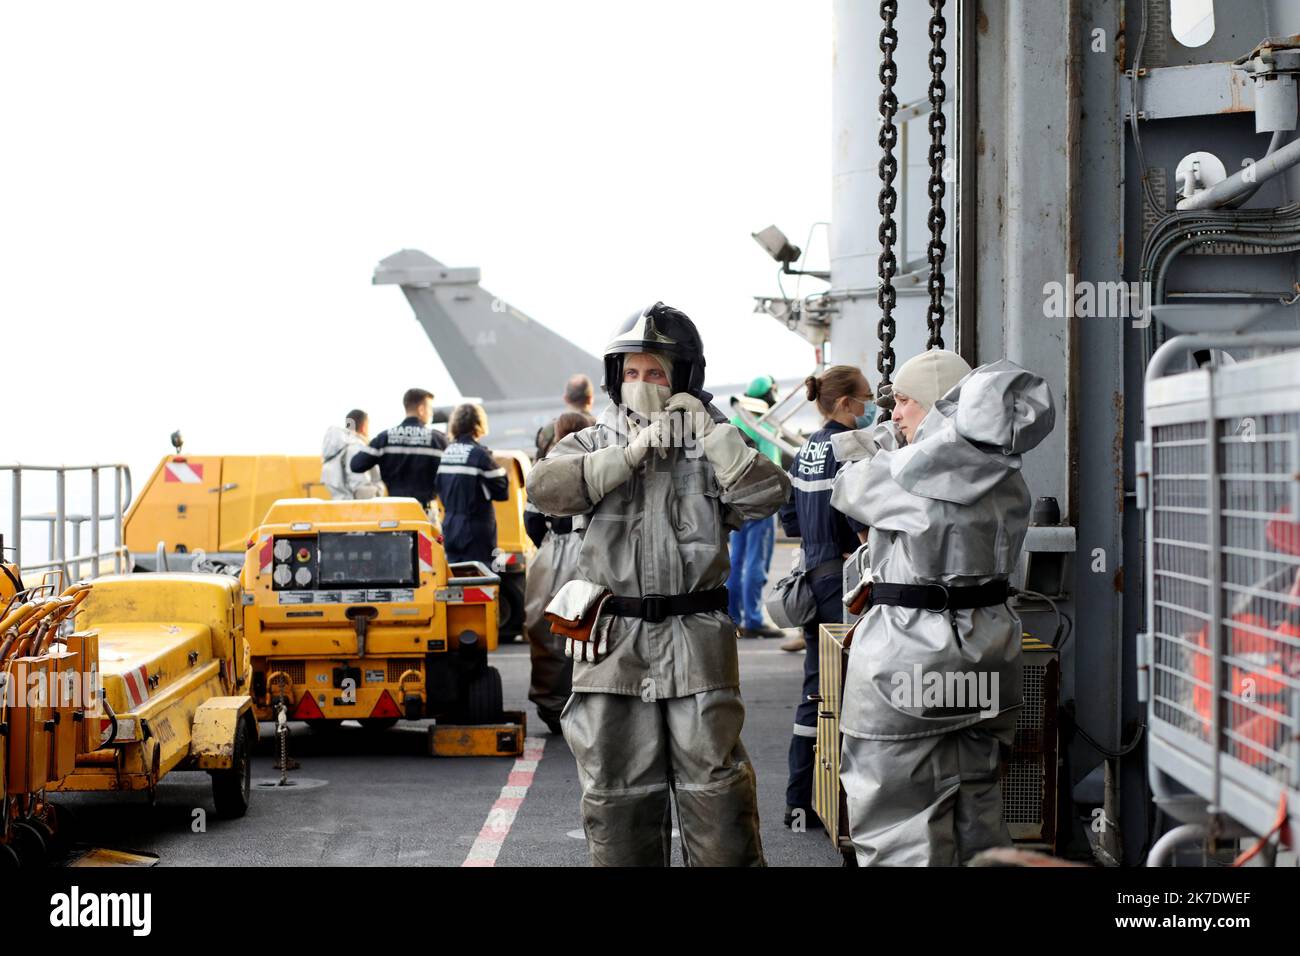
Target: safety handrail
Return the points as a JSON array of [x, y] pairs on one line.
[[59, 519]]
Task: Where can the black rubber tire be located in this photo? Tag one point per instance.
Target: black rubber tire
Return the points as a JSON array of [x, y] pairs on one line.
[[8, 858], [375, 725], [231, 788], [325, 726], [510, 615], [47, 834], [29, 845], [483, 702]]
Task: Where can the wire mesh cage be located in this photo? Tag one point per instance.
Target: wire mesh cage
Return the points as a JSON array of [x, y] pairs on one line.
[[1220, 480]]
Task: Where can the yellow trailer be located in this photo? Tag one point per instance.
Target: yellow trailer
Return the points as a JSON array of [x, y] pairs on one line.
[[41, 715], [175, 670]]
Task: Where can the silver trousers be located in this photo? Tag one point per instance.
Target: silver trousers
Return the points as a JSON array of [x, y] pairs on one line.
[[636, 757], [927, 801]]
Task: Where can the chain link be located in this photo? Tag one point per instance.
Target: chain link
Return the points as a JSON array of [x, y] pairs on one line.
[[282, 738], [938, 125], [887, 264]]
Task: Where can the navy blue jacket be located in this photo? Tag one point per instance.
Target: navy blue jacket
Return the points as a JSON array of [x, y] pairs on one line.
[[469, 480], [407, 456], [826, 533]]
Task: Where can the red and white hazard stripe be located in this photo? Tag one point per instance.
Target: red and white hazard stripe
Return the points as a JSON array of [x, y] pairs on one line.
[[501, 817], [182, 471], [426, 554], [137, 688]]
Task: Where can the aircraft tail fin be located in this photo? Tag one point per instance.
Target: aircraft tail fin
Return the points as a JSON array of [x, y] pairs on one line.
[[491, 349]]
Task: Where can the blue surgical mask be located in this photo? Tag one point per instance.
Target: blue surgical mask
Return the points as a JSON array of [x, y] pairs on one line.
[[868, 416]]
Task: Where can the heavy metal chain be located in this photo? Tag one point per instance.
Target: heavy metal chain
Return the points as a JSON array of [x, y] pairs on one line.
[[282, 738], [887, 264], [938, 124]]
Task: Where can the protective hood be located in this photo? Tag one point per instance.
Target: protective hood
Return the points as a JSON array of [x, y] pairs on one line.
[[974, 436], [1002, 405], [336, 439]]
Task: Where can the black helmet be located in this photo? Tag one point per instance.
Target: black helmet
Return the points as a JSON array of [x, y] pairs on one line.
[[660, 328]]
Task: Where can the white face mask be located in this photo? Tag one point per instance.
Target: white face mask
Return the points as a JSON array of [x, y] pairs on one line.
[[644, 398]]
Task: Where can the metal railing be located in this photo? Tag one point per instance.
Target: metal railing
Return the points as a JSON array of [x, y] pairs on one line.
[[772, 424], [57, 521]]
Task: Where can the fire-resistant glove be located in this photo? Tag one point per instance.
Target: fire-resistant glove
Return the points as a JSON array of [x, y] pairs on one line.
[[652, 436], [589, 651], [696, 419], [727, 452]]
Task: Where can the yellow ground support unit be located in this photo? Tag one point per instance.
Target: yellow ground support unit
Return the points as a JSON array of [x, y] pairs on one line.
[[175, 670], [353, 612], [41, 712], [213, 502], [515, 548]]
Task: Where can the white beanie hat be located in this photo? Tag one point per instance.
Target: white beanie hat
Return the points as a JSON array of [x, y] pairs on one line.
[[927, 377]]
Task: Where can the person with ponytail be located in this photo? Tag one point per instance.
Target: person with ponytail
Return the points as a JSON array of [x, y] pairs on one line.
[[844, 398]]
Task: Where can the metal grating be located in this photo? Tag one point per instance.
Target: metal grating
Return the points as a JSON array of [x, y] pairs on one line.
[[1023, 779], [1223, 579], [1180, 568], [397, 666], [1028, 778], [296, 670], [1260, 567]]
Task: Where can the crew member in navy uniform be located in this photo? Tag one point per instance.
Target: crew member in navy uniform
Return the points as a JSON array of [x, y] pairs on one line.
[[469, 480], [407, 454], [843, 395]]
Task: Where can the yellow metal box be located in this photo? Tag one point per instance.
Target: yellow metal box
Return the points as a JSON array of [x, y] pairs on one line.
[[484, 740]]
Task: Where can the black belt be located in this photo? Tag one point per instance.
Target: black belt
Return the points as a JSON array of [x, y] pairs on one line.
[[655, 608], [940, 597]]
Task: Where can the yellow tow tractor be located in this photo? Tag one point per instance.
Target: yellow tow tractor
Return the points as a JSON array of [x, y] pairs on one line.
[[515, 549], [353, 612], [207, 507], [174, 668]]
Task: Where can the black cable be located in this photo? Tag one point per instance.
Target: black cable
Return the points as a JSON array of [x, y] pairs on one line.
[[1124, 751]]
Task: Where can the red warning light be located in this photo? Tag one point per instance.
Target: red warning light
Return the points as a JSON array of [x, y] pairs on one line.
[[385, 706], [307, 709]]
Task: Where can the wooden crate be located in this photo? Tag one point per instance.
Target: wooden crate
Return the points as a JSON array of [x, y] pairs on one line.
[[828, 795], [1028, 772]]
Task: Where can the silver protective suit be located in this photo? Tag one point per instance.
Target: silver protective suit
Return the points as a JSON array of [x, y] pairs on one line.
[[555, 563], [659, 716], [928, 695]]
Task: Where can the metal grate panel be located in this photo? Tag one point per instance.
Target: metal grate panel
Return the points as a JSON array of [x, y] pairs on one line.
[[1028, 777], [296, 670], [1223, 580], [397, 666]]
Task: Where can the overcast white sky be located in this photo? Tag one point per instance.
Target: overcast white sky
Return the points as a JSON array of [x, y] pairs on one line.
[[193, 198]]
